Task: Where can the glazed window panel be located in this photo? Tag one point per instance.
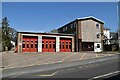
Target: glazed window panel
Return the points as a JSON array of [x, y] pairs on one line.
[[54, 46], [23, 45], [27, 45], [31, 45], [66, 45], [36, 45], [42, 45]]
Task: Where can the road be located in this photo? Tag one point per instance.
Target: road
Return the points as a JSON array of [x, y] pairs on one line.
[[93, 71]]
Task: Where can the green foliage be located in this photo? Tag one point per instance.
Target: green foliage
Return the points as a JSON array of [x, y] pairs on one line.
[[8, 34], [54, 31]]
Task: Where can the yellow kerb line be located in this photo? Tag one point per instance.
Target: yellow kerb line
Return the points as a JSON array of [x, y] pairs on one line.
[[82, 56], [96, 55], [66, 58]]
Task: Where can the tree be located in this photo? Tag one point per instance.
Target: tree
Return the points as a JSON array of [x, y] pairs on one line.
[[54, 31], [0, 39], [8, 34]]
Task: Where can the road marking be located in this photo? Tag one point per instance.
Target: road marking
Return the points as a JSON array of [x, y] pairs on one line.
[[15, 76], [66, 58], [49, 74], [109, 54], [1, 69], [96, 55], [79, 67], [82, 56], [47, 59], [105, 75], [70, 68]]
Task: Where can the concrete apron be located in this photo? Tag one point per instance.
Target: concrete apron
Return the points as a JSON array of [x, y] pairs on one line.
[[60, 65]]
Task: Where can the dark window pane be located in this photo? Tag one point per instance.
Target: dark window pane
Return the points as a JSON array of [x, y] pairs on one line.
[[50, 46], [70, 46], [66, 46], [63, 46], [36, 46], [46, 46], [31, 45], [98, 36], [23, 45], [53, 45], [23, 41], [42, 45], [98, 45], [27, 45]]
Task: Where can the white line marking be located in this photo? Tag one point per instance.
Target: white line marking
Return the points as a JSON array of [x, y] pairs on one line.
[[82, 56], [49, 74], [105, 75], [70, 69], [80, 67], [96, 55]]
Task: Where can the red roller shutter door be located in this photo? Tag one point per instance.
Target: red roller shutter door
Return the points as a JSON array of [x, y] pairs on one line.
[[30, 44], [65, 45], [48, 44]]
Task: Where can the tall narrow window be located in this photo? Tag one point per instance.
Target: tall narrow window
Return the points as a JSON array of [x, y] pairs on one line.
[[23, 45], [36, 46], [27, 45], [98, 35], [31, 45]]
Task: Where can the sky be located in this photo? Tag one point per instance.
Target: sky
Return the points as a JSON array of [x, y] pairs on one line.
[[45, 16]]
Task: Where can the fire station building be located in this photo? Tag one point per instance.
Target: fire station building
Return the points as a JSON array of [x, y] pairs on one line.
[[88, 33], [44, 42]]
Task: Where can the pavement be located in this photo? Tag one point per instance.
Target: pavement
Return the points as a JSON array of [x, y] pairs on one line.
[[13, 72], [16, 60]]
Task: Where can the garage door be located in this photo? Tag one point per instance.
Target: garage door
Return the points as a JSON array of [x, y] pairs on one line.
[[48, 44], [65, 45], [30, 44]]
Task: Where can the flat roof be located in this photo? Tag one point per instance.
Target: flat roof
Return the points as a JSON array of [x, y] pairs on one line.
[[47, 33], [106, 29]]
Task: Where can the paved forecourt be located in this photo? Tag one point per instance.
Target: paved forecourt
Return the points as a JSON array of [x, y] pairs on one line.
[[14, 60]]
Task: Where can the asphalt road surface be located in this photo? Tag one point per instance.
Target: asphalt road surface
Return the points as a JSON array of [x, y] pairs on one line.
[[94, 71]]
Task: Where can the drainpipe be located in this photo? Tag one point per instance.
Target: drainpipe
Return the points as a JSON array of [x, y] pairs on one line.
[[118, 15]]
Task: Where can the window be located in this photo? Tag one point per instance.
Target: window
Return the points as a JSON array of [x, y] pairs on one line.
[[66, 28], [98, 45], [27, 45], [72, 26], [42, 45], [54, 46], [23, 41], [31, 45], [36, 41], [23, 45], [70, 45], [36, 46], [66, 45], [97, 25], [50, 46], [63, 29], [46, 46], [98, 35]]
